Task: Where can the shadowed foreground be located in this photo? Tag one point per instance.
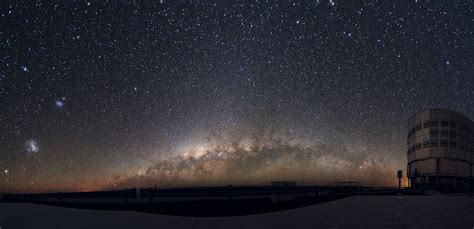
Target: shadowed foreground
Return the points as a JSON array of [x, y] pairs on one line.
[[436, 211]]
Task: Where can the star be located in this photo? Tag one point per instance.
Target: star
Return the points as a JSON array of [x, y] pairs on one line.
[[59, 104], [285, 84]]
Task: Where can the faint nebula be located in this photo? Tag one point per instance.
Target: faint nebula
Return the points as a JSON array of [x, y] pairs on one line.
[[31, 146]]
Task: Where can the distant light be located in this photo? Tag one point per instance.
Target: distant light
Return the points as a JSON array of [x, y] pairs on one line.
[[447, 62], [24, 68]]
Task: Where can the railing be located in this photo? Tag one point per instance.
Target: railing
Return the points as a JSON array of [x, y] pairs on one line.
[[237, 191], [125, 194], [221, 191]]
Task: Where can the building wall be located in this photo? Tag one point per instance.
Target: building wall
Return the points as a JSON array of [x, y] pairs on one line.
[[440, 144]]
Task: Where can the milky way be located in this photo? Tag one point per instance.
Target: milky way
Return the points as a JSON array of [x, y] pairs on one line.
[[258, 161], [112, 94]]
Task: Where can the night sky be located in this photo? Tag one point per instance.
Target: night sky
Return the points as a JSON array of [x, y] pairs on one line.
[[114, 94]]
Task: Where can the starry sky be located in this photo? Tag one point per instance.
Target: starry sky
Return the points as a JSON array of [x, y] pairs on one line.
[[114, 94]]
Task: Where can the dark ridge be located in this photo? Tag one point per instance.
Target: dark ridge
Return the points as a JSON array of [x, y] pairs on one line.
[[204, 201]]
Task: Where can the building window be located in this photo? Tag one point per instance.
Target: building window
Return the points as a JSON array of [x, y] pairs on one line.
[[418, 146], [444, 123], [464, 128], [444, 133], [426, 124], [434, 123], [444, 143], [434, 133], [426, 144], [453, 135], [418, 127], [453, 124], [453, 145], [434, 142]]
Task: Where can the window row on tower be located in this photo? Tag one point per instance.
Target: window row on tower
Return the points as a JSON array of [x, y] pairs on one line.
[[438, 123], [440, 143]]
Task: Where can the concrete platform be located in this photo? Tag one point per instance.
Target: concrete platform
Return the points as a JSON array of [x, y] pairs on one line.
[[435, 211]]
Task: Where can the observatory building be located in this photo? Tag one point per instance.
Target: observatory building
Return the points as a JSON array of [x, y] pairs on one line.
[[440, 151]]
